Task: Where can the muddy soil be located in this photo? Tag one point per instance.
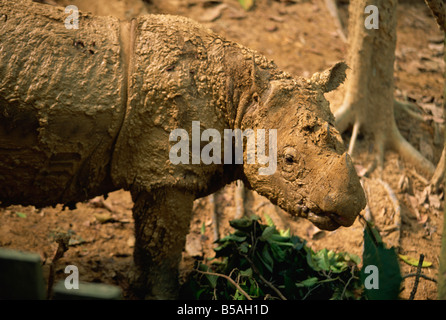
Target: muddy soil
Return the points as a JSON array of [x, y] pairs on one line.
[[302, 38]]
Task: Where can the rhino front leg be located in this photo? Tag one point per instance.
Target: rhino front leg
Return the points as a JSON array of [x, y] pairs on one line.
[[162, 222]]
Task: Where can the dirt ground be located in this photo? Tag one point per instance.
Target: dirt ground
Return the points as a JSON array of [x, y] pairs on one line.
[[302, 38]]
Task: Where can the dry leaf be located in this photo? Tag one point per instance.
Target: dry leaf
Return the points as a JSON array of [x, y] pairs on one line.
[[214, 13], [236, 14], [414, 204], [193, 245], [404, 184], [315, 233], [434, 201]]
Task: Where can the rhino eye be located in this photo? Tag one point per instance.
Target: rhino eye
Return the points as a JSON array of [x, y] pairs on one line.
[[289, 159], [290, 155]]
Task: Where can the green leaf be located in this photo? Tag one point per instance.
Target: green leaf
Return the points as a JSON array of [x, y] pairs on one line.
[[267, 233], [246, 273], [308, 282], [203, 228], [244, 247], [20, 214], [285, 233], [279, 238], [266, 259], [386, 262], [277, 252], [232, 237], [321, 259], [414, 262], [243, 224], [269, 221], [246, 4]]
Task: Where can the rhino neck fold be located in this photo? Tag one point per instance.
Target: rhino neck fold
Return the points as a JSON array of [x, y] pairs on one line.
[[127, 41]]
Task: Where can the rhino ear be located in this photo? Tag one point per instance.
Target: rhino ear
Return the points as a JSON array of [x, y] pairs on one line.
[[330, 79], [259, 78]]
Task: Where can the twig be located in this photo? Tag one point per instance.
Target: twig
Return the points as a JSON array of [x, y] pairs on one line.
[[417, 278], [420, 275], [419, 177], [229, 279], [348, 282], [62, 246], [269, 284]]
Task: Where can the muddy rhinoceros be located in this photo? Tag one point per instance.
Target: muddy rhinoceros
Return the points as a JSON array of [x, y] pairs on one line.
[[87, 111]]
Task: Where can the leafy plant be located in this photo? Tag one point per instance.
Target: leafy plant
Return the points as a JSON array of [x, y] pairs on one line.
[[259, 262]]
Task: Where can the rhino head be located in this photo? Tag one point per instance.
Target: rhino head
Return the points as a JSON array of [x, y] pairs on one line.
[[314, 176]]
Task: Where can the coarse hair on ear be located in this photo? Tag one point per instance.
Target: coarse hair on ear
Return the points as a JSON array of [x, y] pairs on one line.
[[331, 78]]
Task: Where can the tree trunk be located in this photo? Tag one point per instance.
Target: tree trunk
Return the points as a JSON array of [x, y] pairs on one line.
[[368, 102], [442, 272]]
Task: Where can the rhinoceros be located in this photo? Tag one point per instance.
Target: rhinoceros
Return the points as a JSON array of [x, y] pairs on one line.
[[87, 111]]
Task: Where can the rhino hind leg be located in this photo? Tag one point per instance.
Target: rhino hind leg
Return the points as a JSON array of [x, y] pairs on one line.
[[162, 221]]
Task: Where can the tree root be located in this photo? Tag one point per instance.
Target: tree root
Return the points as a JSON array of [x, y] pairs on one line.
[[334, 12], [408, 107], [385, 138], [438, 177]]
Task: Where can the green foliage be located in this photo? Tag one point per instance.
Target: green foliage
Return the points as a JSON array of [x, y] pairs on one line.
[[267, 263]]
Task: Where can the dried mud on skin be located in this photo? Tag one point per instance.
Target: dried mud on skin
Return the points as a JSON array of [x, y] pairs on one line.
[[301, 39]]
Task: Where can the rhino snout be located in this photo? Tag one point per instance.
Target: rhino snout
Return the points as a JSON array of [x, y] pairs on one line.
[[337, 198]]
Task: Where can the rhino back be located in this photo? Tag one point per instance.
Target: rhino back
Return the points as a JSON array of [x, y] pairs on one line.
[[176, 76], [62, 102]]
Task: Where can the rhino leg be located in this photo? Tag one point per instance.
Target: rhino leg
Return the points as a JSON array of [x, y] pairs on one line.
[[162, 222]]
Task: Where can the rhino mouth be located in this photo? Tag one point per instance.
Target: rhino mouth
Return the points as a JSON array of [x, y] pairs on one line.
[[325, 220]]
